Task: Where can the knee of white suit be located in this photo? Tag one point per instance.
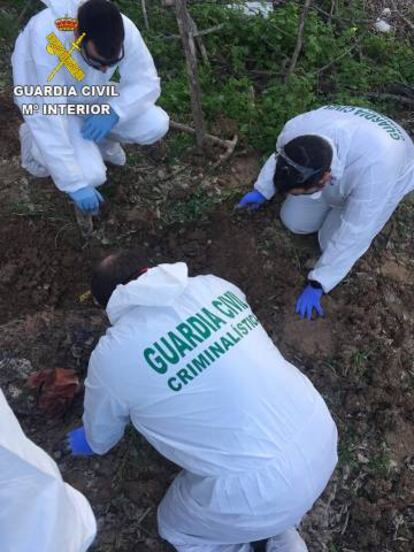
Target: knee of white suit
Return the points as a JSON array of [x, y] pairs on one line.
[[289, 218], [160, 126], [146, 129], [303, 214], [97, 175]]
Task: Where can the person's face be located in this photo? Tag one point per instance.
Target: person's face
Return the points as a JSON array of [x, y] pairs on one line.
[[98, 62], [317, 188], [93, 54]]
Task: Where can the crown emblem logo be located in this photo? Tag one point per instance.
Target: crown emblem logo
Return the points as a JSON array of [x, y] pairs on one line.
[[66, 23]]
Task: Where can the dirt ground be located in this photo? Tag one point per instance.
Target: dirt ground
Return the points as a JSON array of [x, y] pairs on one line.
[[176, 207]]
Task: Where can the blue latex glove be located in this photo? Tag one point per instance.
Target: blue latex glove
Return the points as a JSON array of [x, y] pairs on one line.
[[78, 444], [96, 127], [308, 300], [251, 201], [87, 199]]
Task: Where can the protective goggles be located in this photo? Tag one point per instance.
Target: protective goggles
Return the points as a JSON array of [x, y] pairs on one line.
[[98, 63], [304, 173]]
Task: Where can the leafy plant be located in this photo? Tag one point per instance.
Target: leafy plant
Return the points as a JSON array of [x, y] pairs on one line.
[[342, 61], [248, 58]]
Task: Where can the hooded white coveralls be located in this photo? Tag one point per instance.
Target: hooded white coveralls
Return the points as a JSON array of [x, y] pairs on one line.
[[189, 364], [372, 170], [38, 510], [52, 144]]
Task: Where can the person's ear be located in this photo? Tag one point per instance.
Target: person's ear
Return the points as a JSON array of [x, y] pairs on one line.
[[325, 178]]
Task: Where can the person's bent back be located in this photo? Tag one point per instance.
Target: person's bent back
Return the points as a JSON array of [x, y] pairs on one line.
[[189, 363]]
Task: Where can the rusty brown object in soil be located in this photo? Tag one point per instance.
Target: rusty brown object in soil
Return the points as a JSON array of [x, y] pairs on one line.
[[56, 389]]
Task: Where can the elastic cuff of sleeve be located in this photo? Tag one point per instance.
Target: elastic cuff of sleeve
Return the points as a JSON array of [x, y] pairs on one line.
[[264, 194], [315, 284]]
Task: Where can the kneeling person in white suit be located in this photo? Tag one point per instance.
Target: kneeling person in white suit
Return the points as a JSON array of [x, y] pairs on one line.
[[71, 148], [345, 170], [38, 510], [189, 364]]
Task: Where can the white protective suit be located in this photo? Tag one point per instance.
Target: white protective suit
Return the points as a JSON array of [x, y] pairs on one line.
[[38, 510], [54, 141], [372, 170], [189, 364]]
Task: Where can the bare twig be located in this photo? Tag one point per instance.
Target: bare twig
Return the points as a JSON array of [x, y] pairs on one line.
[[394, 97], [198, 33], [210, 30], [332, 10], [186, 128], [85, 223], [341, 18], [184, 25], [175, 173], [195, 34], [144, 12], [299, 41], [344, 53], [142, 517], [229, 145]]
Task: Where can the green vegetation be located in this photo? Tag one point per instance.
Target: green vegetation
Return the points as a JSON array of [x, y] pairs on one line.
[[359, 362], [347, 448], [197, 208], [342, 61], [380, 465]]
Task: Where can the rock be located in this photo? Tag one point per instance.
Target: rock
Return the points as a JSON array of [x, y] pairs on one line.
[[382, 26]]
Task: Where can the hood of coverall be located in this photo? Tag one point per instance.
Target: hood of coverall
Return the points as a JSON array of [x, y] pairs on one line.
[[158, 287], [63, 7]]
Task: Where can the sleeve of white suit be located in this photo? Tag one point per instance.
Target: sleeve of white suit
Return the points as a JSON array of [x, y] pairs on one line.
[[139, 87], [105, 416], [361, 220], [38, 511], [264, 183], [50, 131]]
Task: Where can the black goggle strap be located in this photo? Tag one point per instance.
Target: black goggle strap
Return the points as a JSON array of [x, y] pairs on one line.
[[93, 62], [305, 172]]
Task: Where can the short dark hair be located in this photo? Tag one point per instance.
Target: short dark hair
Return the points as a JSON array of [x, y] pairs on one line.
[[118, 268], [102, 22], [309, 151]]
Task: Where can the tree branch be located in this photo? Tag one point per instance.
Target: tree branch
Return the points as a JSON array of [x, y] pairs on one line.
[[229, 145], [394, 97], [344, 53], [185, 27], [144, 12], [299, 41]]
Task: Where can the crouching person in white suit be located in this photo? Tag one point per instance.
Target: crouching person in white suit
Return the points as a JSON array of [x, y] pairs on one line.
[[344, 169], [189, 364], [38, 510], [73, 148]]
